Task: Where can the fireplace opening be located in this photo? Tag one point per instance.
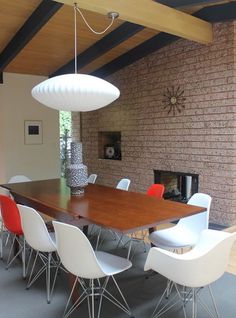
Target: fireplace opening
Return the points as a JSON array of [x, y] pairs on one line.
[[179, 186]]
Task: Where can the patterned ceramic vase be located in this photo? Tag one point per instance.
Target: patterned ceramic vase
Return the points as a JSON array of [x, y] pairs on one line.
[[76, 172]]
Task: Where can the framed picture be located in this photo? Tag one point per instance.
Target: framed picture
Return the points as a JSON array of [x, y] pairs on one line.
[[33, 132]]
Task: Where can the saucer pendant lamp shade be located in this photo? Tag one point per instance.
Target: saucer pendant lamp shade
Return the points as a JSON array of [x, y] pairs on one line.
[[75, 92]]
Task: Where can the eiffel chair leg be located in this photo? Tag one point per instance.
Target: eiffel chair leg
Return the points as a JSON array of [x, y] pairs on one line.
[[23, 260], [1, 238], [84, 295], [19, 252], [48, 277], [194, 304], [214, 302], [92, 296], [212, 313]]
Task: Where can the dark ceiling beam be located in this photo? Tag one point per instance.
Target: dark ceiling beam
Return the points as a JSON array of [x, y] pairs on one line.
[[155, 43], [212, 14], [218, 13], [186, 3], [122, 33], [111, 40], [35, 22]]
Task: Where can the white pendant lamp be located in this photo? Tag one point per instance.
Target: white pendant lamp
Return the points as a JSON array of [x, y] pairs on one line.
[[76, 92]]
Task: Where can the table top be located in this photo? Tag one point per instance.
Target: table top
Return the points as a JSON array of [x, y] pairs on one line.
[[119, 210]]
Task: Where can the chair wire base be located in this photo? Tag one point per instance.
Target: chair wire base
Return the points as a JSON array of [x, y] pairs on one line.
[[100, 241], [184, 295], [13, 255], [132, 238], [90, 291], [48, 263], [3, 232]]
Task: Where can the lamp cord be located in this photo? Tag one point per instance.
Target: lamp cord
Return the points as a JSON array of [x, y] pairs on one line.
[[90, 28], [75, 37], [112, 16]]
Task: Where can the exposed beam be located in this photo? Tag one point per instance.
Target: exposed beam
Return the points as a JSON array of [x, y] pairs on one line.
[[218, 13], [35, 22], [186, 3], [149, 46], [114, 38], [152, 15], [225, 12]]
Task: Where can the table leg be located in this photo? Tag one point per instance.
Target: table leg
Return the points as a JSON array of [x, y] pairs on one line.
[[151, 230], [85, 230]]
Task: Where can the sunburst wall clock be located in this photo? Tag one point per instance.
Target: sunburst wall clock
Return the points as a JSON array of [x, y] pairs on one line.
[[174, 100]]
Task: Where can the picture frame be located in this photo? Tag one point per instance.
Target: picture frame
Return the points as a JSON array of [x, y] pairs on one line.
[[33, 132]]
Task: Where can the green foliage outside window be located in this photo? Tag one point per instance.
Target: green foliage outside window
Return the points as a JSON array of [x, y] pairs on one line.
[[65, 138], [65, 123]]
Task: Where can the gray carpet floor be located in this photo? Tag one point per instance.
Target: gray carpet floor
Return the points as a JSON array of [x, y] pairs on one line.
[[141, 294]]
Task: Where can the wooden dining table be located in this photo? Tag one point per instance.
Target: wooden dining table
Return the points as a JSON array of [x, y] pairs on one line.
[[121, 211]]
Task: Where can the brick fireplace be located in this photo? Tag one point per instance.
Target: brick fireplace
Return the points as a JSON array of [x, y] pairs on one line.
[[179, 186], [199, 140]]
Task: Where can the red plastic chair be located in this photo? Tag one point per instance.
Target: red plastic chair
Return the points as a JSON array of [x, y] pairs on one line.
[[12, 222], [156, 190]]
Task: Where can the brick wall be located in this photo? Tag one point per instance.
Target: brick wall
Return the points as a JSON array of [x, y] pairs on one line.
[[201, 139]]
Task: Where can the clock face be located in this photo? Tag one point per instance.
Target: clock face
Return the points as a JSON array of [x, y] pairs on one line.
[[173, 100]]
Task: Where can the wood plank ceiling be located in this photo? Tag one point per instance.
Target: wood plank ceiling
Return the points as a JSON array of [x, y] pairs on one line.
[[37, 36]]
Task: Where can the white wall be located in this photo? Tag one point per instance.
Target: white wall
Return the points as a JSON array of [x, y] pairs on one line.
[[17, 105]]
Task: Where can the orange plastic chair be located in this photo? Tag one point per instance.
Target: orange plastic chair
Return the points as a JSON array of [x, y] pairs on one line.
[[12, 222], [10, 215], [156, 190]]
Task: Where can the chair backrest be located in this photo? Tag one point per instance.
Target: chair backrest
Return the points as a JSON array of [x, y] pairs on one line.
[[198, 222], [18, 178], [202, 265], [76, 252], [35, 230], [156, 190], [92, 178], [123, 184], [10, 215], [4, 191]]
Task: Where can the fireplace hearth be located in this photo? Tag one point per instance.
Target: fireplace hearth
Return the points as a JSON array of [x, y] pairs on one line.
[[179, 186]]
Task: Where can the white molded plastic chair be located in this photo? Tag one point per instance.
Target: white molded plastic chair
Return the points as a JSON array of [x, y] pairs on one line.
[[92, 178], [4, 191], [123, 184], [199, 267], [39, 239], [79, 258], [187, 231], [19, 178]]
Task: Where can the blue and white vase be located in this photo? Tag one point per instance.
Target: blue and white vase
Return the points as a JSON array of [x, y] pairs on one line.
[[76, 172]]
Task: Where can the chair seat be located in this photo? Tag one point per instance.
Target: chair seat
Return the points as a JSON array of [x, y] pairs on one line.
[[112, 264], [183, 237]]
